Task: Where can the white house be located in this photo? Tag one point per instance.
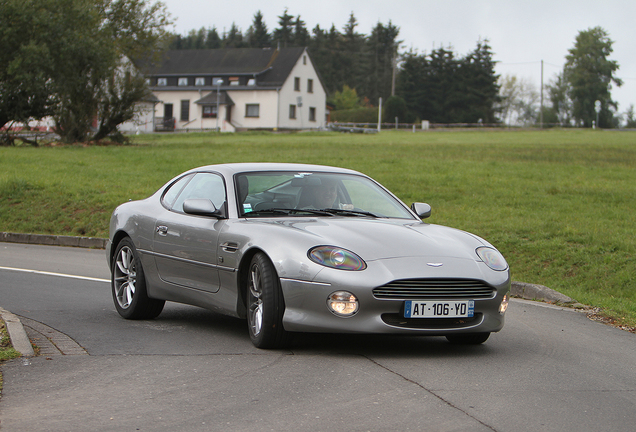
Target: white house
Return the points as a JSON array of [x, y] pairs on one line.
[[236, 89]]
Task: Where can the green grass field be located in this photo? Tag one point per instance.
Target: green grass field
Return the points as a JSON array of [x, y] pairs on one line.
[[560, 205]]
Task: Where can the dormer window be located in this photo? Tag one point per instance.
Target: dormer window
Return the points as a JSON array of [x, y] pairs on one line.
[[234, 81], [162, 82], [251, 82], [199, 81], [183, 82]]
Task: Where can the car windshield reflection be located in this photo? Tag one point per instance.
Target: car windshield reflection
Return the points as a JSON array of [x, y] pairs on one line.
[[275, 194]]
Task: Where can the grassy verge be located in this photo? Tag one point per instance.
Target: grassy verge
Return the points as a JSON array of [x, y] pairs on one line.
[[558, 204], [7, 352]]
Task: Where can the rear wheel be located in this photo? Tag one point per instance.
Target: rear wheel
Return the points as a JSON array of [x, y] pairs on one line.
[[468, 338], [128, 285], [266, 305]]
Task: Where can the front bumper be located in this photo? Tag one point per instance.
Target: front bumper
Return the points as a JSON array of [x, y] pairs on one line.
[[306, 301]]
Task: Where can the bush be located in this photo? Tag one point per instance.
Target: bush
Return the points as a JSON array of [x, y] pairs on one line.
[[356, 115]]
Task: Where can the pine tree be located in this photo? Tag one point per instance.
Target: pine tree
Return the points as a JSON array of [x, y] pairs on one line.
[[258, 35], [283, 35], [301, 35]]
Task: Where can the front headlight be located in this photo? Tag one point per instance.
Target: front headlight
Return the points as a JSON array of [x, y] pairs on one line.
[[343, 303], [335, 257], [492, 258]]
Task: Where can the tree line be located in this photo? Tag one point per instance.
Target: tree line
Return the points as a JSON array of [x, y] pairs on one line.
[[439, 86], [358, 69]]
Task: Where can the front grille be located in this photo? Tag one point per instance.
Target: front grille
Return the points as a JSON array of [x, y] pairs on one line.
[[438, 289]]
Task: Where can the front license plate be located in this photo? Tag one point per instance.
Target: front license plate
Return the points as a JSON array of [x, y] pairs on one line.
[[439, 309]]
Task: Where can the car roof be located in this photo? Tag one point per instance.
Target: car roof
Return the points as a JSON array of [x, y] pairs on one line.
[[234, 168]]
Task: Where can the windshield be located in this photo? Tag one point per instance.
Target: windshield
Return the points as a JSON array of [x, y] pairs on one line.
[[301, 193]]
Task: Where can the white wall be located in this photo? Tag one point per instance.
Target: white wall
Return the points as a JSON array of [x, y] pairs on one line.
[[289, 96], [267, 101]]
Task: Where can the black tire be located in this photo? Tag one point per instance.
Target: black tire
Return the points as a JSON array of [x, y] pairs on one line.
[[468, 338], [128, 284], [265, 305]]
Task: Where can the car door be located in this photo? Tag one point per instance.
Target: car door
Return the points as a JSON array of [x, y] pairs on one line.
[[185, 246]]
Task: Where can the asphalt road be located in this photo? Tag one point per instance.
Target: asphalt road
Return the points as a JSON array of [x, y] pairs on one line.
[[549, 369]]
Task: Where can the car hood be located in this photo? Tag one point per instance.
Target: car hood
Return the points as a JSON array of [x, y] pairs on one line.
[[374, 239]]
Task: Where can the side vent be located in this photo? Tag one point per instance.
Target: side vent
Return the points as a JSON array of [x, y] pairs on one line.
[[229, 247]]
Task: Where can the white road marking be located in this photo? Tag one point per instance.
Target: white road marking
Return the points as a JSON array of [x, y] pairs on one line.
[[55, 274]]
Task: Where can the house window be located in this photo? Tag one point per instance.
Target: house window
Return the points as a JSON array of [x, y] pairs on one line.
[[209, 111], [234, 81], [292, 111], [148, 81], [304, 59], [251, 82], [310, 86], [312, 114], [252, 110], [185, 110], [199, 81], [183, 82], [162, 82], [297, 84]]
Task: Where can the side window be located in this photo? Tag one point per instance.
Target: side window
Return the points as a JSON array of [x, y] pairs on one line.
[[173, 191], [203, 185]]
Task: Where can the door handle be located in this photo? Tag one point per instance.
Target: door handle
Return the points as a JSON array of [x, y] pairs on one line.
[[162, 230]]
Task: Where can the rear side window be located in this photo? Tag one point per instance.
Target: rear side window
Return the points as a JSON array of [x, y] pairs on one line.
[[203, 186], [172, 192]]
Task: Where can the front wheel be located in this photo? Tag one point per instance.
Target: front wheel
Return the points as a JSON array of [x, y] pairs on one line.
[[468, 338], [266, 305], [128, 284]]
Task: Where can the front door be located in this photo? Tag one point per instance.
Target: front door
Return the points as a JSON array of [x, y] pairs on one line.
[[186, 245]]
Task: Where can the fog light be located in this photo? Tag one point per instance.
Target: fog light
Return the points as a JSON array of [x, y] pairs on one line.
[[504, 304], [342, 303]]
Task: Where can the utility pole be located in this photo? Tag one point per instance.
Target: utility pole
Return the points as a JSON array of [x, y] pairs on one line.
[[541, 109], [394, 64]]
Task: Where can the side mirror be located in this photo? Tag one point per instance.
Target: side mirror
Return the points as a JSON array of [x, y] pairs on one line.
[[422, 210], [201, 207]]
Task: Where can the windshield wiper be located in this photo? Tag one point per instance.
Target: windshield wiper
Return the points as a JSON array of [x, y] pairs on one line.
[[343, 212], [287, 211]]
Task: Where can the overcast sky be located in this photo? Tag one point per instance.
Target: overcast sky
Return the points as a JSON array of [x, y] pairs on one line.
[[521, 32]]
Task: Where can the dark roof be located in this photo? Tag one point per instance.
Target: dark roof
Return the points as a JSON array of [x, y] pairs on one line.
[[210, 99], [273, 66]]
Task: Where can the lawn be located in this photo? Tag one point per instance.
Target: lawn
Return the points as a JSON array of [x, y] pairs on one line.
[[558, 204]]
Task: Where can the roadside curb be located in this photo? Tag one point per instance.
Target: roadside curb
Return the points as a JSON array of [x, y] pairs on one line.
[[538, 292], [17, 334], [54, 240]]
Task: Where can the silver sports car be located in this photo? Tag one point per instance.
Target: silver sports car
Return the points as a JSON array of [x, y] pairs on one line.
[[303, 248]]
